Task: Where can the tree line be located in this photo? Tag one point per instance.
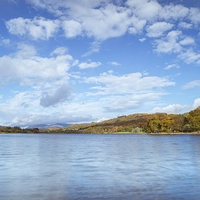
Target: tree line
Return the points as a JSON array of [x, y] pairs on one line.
[[16, 129]]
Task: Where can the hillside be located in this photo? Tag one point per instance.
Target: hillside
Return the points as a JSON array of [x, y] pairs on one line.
[[158, 123], [140, 123]]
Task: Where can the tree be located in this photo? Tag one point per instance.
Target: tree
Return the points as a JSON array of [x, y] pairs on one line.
[[36, 130], [179, 122], [166, 123], [154, 123], [194, 118]]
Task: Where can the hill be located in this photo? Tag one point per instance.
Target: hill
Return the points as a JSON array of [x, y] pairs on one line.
[[158, 123], [140, 123]]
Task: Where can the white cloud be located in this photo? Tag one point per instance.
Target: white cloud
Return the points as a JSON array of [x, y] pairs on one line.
[[111, 19], [144, 8], [177, 108], [94, 48], [196, 103], [169, 44], [6, 41], [158, 28], [103, 23], [62, 7], [192, 84], [25, 51], [89, 65], [129, 102], [171, 109], [194, 15], [190, 56], [60, 51], [38, 28], [137, 25], [72, 28], [142, 39], [115, 63], [187, 41], [185, 25], [171, 66], [173, 12], [128, 83], [26, 68], [122, 105]]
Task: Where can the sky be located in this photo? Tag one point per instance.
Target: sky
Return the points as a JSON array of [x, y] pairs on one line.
[[81, 61]]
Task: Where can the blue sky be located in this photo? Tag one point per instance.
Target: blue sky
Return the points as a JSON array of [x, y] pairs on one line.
[[78, 61]]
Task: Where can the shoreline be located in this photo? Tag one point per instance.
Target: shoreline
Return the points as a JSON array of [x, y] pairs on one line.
[[121, 133]]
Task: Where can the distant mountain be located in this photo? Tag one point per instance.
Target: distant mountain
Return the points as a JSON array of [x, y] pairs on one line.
[[45, 126]]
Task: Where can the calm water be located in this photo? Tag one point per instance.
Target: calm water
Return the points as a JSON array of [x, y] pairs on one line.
[[73, 166]]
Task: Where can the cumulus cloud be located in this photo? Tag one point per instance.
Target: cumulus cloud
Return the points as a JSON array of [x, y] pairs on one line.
[[85, 19], [129, 102], [158, 28], [177, 108], [145, 9], [128, 83], [137, 25], [194, 15], [38, 28], [171, 109], [60, 95], [185, 25], [169, 44], [72, 28], [196, 103], [187, 41], [173, 12], [89, 65], [26, 68], [112, 19]]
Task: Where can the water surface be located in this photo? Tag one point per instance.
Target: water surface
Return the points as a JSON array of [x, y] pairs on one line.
[[98, 166]]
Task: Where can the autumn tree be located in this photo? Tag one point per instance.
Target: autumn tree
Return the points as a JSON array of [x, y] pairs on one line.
[[154, 123], [179, 122], [194, 118]]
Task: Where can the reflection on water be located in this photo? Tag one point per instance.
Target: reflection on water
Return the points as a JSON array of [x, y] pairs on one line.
[[74, 166]]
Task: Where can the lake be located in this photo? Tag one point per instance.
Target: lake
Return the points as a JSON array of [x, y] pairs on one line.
[[99, 166]]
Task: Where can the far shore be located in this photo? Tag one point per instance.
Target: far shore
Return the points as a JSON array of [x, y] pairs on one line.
[[143, 133]]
